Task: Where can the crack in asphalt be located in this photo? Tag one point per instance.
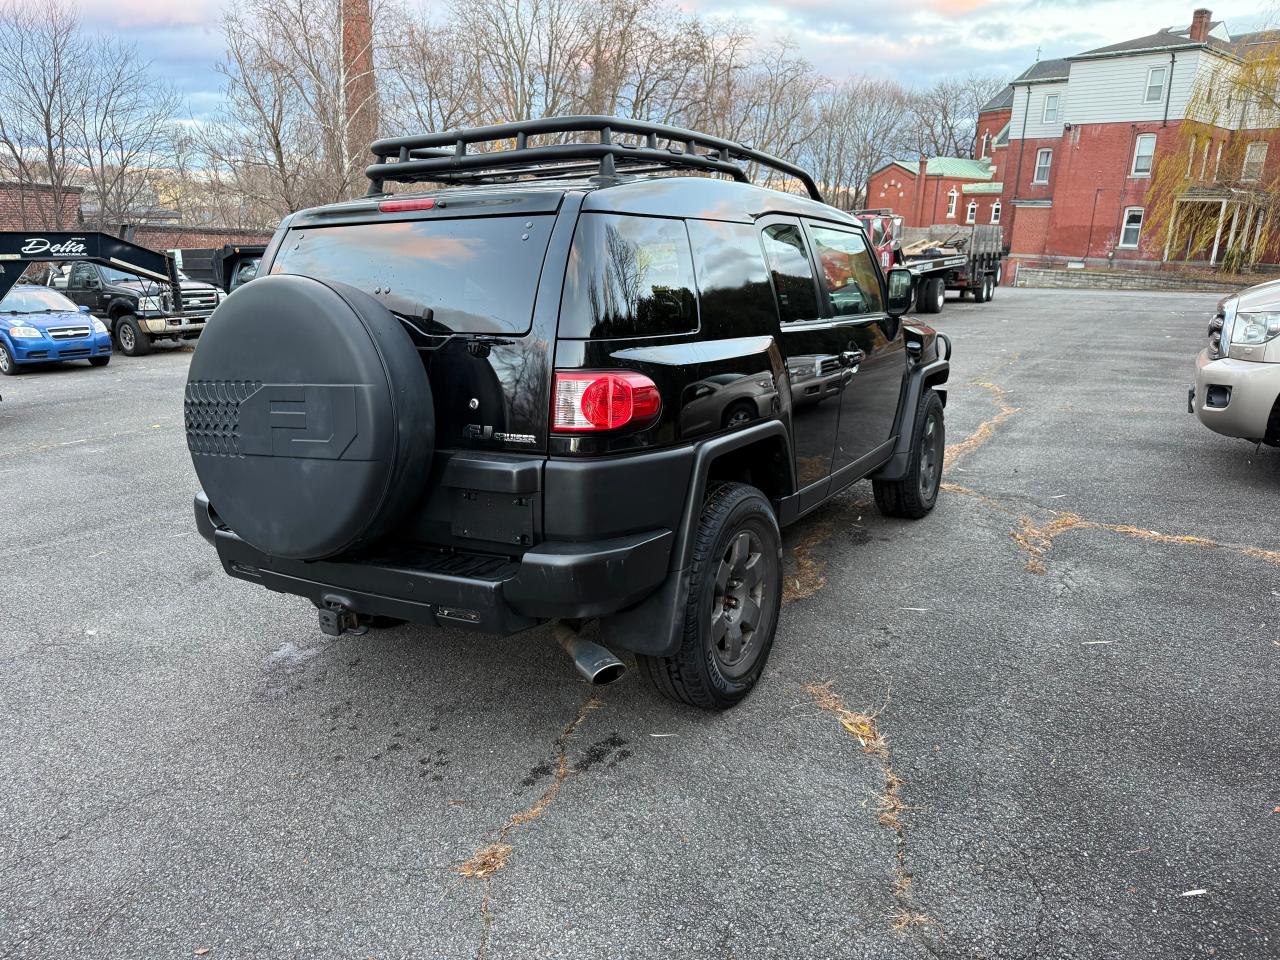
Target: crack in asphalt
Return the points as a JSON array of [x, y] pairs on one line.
[[489, 860], [1036, 540], [889, 803]]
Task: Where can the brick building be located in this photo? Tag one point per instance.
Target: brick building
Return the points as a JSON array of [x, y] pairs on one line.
[[938, 190], [1085, 134]]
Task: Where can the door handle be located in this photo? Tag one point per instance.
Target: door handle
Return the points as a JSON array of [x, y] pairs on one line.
[[851, 358]]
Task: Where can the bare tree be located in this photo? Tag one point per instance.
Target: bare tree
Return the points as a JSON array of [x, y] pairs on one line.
[[44, 92]]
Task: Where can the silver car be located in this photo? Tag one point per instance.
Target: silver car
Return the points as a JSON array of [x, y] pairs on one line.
[[1238, 374]]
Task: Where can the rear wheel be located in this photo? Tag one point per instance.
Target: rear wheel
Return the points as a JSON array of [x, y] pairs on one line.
[[915, 494], [735, 592], [982, 293], [133, 342], [8, 366]]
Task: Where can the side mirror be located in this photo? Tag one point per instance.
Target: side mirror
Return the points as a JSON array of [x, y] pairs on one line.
[[900, 280], [92, 283], [84, 309]]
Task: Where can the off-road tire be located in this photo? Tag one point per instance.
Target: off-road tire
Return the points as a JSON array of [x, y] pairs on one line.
[[8, 366], [99, 361], [698, 674], [130, 338], [916, 493]]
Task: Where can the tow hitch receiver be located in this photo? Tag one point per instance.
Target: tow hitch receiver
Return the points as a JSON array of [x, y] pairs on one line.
[[335, 621]]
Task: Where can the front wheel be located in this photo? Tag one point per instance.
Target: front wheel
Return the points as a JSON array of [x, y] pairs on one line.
[[133, 342], [932, 295], [8, 366], [915, 494], [735, 593]]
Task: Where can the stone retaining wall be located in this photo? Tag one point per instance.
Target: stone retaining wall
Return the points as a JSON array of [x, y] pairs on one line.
[[1117, 280]]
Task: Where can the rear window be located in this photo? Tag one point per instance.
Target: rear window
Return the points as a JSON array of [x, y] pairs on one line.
[[628, 277], [477, 275]]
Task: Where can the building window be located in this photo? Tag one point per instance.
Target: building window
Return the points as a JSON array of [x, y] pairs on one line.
[[1043, 159], [1131, 231], [1155, 84], [1050, 114], [952, 197], [1191, 156], [1204, 159], [995, 212], [1144, 150], [1217, 159], [1255, 158], [986, 144], [971, 212]]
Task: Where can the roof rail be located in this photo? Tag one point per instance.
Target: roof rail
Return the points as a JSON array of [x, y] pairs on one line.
[[444, 157]]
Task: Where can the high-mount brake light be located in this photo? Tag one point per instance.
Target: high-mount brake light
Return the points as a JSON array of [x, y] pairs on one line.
[[401, 206], [602, 400]]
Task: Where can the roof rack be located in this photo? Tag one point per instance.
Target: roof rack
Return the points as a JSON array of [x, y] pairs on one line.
[[444, 158]]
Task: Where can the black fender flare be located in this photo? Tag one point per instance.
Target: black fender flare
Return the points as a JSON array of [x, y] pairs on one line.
[[654, 625], [119, 306], [919, 379]]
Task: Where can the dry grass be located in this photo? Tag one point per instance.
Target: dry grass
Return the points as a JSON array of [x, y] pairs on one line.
[[486, 862], [494, 857], [905, 919], [986, 430], [889, 803], [809, 575]]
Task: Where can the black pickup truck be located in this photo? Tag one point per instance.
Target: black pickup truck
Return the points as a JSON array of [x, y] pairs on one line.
[[136, 310]]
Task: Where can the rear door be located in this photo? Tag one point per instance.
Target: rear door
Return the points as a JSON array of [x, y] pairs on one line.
[[871, 343], [812, 342]]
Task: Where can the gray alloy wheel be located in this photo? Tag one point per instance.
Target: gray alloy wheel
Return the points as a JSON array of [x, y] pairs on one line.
[[931, 455], [736, 603], [8, 366], [128, 340]]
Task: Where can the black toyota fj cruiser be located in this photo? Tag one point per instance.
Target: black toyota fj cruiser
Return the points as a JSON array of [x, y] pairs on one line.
[[564, 386]]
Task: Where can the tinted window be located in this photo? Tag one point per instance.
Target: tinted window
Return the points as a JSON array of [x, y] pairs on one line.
[[628, 277], [848, 272], [81, 273], [476, 275], [732, 281], [792, 273]]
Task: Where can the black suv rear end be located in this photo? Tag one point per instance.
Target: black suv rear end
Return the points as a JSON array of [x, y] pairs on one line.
[[499, 403]]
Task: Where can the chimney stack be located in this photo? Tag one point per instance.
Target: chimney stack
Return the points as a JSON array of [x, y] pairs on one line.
[[359, 90], [1200, 25]]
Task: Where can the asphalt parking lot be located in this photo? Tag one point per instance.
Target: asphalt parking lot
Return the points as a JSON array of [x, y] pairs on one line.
[[1039, 723]]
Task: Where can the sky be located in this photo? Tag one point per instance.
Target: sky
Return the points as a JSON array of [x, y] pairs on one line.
[[913, 41]]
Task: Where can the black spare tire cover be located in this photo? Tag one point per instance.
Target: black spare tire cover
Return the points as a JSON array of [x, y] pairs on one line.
[[308, 416]]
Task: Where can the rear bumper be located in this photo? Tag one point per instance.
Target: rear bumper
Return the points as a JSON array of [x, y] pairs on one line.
[[1235, 397], [489, 594]]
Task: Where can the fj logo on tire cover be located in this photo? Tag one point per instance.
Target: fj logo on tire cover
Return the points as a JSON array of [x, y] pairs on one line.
[[246, 419]]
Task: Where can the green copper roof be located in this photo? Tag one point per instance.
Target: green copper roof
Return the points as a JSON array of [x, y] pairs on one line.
[[951, 167]]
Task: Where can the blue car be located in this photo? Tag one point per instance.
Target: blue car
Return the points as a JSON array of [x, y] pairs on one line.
[[40, 325]]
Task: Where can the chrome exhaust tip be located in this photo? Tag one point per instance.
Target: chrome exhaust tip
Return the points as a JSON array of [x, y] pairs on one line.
[[593, 661]]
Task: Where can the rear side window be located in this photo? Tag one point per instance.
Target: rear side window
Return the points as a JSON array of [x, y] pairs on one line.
[[792, 274], [733, 284], [848, 272], [476, 275], [628, 277]]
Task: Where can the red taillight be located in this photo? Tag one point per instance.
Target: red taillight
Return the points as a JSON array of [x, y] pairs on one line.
[[602, 401], [400, 206]]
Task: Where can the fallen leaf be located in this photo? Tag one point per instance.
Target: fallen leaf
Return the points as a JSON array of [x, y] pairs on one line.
[[201, 951]]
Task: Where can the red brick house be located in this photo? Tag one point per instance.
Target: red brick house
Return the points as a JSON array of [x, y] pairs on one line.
[[1085, 134], [938, 190]]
